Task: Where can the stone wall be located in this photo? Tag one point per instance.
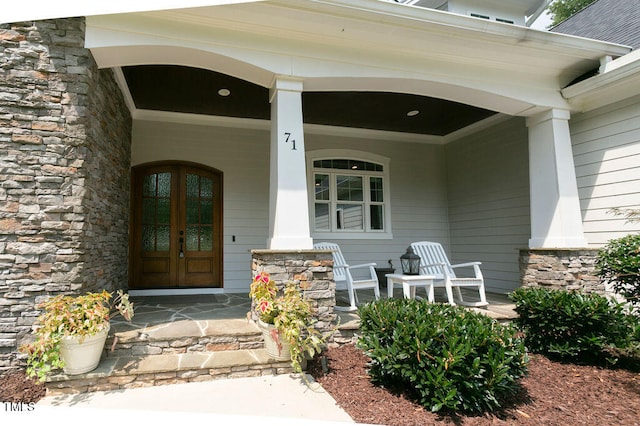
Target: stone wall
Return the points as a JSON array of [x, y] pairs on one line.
[[564, 269], [106, 197], [64, 174], [312, 269]]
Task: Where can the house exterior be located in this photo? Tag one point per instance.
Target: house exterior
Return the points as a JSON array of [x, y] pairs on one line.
[[165, 149]]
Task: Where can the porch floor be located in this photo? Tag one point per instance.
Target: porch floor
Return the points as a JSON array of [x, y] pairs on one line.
[[154, 310], [173, 310]]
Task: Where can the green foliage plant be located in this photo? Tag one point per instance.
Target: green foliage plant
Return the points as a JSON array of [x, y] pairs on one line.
[[451, 358], [563, 9], [618, 264], [66, 316], [573, 326], [291, 314]]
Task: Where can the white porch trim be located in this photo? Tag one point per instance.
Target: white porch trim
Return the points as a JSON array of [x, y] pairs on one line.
[[288, 200], [329, 44], [176, 291], [556, 218], [43, 9]]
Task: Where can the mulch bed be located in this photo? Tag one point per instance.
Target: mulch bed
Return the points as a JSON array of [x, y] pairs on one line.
[[552, 394], [17, 387]]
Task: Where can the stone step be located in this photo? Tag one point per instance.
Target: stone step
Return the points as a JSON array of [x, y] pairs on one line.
[[154, 370], [184, 336], [348, 325], [178, 351]]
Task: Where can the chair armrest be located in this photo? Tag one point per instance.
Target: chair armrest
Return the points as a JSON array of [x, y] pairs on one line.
[[476, 267], [466, 264], [364, 265], [372, 273], [340, 266]]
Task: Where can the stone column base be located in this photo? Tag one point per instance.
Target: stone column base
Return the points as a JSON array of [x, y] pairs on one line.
[[311, 269], [563, 269]]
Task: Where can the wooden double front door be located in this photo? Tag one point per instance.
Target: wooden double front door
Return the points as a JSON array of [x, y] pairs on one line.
[[176, 233]]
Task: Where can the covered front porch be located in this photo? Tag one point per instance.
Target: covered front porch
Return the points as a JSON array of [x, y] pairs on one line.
[[180, 339], [391, 136], [364, 123]]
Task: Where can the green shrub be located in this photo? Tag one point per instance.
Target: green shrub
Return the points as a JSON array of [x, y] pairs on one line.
[[618, 263], [572, 325], [451, 358]]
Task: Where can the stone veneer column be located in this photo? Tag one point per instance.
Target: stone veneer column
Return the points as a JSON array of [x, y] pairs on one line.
[[65, 140], [563, 269], [312, 269]]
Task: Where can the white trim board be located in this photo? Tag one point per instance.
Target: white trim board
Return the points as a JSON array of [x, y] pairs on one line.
[[176, 291]]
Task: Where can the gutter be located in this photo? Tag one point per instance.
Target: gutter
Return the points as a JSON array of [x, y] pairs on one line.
[[618, 79]]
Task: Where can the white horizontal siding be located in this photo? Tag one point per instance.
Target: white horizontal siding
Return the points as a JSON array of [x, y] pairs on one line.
[[602, 143], [488, 183], [623, 175], [603, 169], [606, 146], [417, 196], [622, 200]]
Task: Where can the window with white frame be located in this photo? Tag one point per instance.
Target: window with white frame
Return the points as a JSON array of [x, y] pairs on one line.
[[350, 198]]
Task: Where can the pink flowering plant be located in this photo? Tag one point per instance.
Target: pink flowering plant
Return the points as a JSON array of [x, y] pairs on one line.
[[291, 314], [263, 292]]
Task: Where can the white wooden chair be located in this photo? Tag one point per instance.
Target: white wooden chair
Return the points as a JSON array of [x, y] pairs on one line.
[[344, 280], [434, 261]]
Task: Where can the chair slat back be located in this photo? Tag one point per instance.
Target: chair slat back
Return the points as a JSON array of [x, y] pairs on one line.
[[432, 253], [339, 274]]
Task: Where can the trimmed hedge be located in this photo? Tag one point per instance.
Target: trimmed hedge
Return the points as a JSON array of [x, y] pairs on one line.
[[573, 326], [618, 263], [451, 358]]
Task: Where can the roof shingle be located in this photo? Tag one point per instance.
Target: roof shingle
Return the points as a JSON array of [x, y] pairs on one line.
[[615, 21]]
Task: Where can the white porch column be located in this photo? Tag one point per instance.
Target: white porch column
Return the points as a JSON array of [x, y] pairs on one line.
[[556, 219], [288, 205]]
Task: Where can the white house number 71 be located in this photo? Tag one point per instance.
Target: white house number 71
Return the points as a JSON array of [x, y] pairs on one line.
[[288, 139]]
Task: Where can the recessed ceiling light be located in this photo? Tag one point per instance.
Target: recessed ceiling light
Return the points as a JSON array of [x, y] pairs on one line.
[[224, 92], [413, 113]]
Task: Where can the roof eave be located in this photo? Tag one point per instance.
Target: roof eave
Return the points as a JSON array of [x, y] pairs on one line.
[[36, 10], [383, 11], [388, 12], [614, 84]]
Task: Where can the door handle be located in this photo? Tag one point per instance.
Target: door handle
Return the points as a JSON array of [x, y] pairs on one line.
[[181, 240]]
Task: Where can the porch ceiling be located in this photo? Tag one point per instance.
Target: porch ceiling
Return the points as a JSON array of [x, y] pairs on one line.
[[193, 90]]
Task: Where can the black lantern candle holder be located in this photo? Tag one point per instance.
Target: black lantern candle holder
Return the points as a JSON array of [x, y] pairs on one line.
[[410, 262]]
